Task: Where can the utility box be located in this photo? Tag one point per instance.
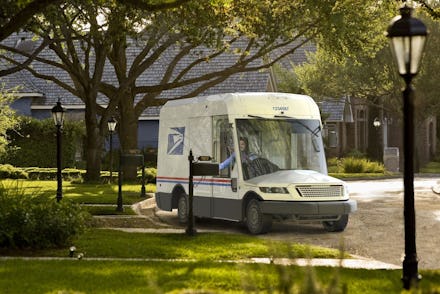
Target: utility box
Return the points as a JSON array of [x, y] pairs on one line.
[[391, 158]]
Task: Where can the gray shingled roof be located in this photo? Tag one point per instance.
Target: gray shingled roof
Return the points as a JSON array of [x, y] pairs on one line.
[[338, 110], [241, 82], [257, 81]]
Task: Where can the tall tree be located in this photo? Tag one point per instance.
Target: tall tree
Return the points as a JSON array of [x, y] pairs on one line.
[[73, 32]]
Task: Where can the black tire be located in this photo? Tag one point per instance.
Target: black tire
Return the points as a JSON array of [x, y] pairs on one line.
[[336, 226], [182, 209], [256, 221]]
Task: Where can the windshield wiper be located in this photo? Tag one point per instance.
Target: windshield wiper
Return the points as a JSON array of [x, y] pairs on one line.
[[314, 132]]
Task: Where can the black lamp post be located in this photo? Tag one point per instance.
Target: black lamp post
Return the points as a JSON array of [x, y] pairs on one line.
[[111, 123], [58, 117], [407, 37]]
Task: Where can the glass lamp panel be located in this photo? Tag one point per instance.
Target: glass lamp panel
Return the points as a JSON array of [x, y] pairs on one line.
[[417, 46], [111, 125], [58, 118], [400, 48]]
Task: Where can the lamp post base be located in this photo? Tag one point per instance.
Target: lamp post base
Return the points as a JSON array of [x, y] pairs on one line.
[[410, 277]]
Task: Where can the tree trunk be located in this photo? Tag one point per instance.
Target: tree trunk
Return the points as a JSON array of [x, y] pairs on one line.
[[94, 145], [128, 134], [93, 159]]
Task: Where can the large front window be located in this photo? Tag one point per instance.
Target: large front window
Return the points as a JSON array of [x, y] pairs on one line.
[[269, 145]]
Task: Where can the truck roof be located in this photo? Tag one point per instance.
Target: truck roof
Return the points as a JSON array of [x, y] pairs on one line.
[[264, 104]]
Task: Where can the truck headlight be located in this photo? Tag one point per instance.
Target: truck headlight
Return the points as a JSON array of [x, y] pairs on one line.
[[274, 190], [346, 192]]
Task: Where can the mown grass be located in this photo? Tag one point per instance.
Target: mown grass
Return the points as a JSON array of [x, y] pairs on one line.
[[82, 193], [108, 243], [89, 276]]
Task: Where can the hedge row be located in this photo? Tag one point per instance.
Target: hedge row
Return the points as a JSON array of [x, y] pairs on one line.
[[33, 143], [8, 171]]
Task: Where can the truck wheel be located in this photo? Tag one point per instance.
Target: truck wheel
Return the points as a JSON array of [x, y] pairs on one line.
[[336, 226], [182, 209], [256, 221]]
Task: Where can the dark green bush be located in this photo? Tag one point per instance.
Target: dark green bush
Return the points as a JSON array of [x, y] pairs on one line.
[[38, 222], [8, 171], [69, 174], [34, 143]]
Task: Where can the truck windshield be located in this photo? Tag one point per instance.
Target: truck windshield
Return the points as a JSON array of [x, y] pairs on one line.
[[269, 145]]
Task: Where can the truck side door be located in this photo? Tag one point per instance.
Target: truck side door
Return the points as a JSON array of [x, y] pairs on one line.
[[226, 203]]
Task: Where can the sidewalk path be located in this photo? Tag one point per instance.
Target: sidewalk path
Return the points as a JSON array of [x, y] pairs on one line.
[[324, 262]]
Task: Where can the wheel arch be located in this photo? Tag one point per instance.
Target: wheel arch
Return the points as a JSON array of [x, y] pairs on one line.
[[177, 191], [248, 197]]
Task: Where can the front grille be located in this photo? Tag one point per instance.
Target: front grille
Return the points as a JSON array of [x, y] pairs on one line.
[[313, 191]]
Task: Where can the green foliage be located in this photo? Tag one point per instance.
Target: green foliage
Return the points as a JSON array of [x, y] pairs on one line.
[[354, 165], [432, 167], [34, 143], [8, 171], [287, 81], [38, 222], [8, 119], [69, 174]]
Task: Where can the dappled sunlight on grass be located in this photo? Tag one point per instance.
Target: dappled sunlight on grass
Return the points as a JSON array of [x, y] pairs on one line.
[[81, 193]]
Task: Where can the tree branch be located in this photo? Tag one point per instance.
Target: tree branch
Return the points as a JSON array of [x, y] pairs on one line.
[[28, 61], [19, 20], [140, 4]]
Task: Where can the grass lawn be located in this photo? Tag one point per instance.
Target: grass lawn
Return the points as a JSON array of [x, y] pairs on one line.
[[82, 193], [201, 273], [88, 276], [204, 246], [177, 263]]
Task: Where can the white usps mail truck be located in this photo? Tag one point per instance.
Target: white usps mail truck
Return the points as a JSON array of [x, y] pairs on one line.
[[271, 160]]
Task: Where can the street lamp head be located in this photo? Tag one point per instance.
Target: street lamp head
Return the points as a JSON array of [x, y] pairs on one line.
[[111, 123], [376, 123], [58, 114], [407, 38]]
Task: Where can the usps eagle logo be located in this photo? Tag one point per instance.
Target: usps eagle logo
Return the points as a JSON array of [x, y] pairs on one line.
[[176, 137]]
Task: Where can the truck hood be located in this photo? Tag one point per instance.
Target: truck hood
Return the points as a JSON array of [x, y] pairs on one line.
[[288, 177]]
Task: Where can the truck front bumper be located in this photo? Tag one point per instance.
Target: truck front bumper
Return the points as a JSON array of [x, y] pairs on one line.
[[309, 209]]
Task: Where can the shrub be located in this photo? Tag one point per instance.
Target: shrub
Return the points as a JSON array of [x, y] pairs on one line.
[[7, 171], [353, 165], [374, 167], [334, 165], [38, 222], [362, 165]]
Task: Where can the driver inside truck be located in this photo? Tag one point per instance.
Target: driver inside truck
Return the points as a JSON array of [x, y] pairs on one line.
[[245, 155]]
